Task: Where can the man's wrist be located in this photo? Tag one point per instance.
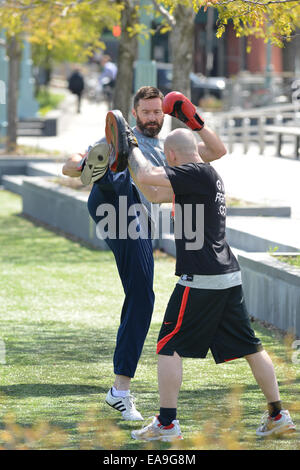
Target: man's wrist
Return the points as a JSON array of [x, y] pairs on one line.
[[81, 164]]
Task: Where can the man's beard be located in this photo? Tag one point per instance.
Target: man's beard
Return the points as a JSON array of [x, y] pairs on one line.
[[150, 129]]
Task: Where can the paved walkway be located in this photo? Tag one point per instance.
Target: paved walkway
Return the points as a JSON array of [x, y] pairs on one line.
[[76, 131], [261, 178]]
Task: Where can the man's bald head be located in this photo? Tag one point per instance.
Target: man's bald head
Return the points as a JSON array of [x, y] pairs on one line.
[[181, 144]]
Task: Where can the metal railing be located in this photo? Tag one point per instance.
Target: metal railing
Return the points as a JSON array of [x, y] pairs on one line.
[[251, 125]]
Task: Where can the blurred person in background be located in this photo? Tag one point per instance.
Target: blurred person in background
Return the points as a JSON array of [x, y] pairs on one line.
[[107, 78], [76, 86]]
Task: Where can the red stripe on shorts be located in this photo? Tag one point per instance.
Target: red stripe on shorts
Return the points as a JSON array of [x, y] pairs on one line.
[[173, 207], [167, 338]]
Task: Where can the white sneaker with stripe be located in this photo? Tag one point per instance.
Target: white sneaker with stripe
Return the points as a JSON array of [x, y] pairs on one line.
[[125, 405], [95, 163]]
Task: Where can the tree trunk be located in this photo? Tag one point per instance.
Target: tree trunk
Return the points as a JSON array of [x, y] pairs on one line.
[[182, 47], [127, 56], [291, 63], [14, 55], [289, 56]]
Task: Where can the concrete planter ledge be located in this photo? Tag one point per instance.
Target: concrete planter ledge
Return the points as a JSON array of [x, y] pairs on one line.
[[270, 265], [13, 183], [44, 169], [56, 205], [29, 166], [259, 234], [260, 211], [244, 211], [272, 290], [60, 207]]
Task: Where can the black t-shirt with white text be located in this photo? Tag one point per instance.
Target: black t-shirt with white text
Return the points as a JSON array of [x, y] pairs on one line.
[[200, 216]]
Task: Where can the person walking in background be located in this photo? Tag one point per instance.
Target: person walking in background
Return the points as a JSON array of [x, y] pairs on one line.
[[107, 78], [76, 86], [109, 70]]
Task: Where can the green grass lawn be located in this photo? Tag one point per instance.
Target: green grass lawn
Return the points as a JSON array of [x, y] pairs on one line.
[[60, 304], [48, 100]]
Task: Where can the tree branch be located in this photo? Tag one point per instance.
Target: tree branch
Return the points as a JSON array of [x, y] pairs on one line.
[[165, 13], [256, 2], [21, 6]]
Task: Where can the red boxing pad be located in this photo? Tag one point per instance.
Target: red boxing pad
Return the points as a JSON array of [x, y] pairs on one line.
[[177, 105]]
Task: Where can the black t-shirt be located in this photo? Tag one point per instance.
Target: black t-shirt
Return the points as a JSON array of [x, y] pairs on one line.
[[200, 215]]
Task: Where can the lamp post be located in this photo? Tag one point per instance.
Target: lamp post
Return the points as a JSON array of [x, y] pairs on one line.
[[145, 68], [27, 104], [3, 89], [269, 69]]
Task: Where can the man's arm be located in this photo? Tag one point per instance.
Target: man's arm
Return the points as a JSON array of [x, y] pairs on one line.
[[177, 105], [151, 180], [152, 193], [155, 194], [211, 148]]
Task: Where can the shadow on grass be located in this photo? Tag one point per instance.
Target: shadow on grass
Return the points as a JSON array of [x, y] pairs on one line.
[[29, 243], [40, 344], [49, 390]]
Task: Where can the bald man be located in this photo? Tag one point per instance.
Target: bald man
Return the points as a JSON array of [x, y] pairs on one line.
[[206, 310]]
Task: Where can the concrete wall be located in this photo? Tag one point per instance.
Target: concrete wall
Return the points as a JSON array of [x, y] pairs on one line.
[[65, 208], [61, 208], [13, 183], [13, 166], [272, 290], [283, 211], [243, 240], [20, 166]]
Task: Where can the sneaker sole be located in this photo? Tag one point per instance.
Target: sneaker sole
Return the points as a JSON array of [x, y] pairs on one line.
[[125, 419], [116, 136], [98, 155], [161, 438]]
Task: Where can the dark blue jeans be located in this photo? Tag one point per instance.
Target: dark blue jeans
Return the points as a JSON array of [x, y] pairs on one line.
[[134, 258]]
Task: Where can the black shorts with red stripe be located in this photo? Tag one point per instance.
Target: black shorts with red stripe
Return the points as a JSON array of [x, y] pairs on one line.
[[199, 320]]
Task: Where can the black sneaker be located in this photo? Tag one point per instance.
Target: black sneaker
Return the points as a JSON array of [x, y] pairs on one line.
[[120, 138]]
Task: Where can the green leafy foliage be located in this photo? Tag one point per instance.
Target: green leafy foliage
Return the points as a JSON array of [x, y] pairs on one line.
[[276, 20], [67, 30]]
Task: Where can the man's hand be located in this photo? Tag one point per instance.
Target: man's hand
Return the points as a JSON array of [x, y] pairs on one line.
[[73, 166], [177, 105]]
